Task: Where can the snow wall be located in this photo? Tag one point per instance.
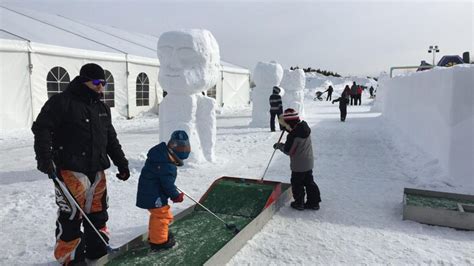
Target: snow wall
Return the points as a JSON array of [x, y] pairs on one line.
[[436, 110]]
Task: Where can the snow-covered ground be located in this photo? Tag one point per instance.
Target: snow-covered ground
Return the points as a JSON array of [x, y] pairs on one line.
[[361, 167]]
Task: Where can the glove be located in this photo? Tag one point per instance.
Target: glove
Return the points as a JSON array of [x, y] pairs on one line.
[[123, 174], [278, 146], [46, 166], [179, 198]]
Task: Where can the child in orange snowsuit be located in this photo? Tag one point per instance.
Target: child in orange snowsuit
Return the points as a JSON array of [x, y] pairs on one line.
[[156, 186]]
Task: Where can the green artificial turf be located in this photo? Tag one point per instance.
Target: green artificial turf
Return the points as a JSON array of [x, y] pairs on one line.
[[199, 235], [435, 202]]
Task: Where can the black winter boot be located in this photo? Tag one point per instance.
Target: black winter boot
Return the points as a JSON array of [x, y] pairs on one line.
[[298, 206], [314, 207], [163, 246]]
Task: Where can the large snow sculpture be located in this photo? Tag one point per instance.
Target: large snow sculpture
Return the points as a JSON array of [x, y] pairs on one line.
[[189, 64], [265, 76], [293, 83]]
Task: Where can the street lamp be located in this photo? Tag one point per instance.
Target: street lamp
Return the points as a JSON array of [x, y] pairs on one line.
[[433, 49]]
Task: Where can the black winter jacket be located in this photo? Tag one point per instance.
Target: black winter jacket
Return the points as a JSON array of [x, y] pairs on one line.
[[74, 128], [343, 101], [276, 105]]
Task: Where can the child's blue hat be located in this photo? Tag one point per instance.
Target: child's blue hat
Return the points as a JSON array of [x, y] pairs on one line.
[[179, 143]]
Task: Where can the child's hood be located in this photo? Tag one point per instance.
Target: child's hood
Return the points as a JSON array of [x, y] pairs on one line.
[[159, 153]]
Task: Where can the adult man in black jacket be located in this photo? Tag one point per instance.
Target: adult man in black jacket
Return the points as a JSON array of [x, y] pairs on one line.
[[74, 130], [276, 107], [354, 93]]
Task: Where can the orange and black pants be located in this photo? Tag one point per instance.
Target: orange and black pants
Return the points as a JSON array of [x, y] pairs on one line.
[[160, 218], [89, 190]]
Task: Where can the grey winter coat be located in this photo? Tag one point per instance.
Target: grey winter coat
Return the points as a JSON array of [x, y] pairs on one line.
[[299, 147]]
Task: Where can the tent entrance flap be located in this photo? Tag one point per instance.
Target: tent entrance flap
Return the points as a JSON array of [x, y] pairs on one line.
[[200, 237]]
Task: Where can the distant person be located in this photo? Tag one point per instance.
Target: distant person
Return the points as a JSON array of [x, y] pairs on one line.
[[300, 149], [343, 101], [74, 129], [353, 93], [276, 107], [347, 91], [371, 91], [359, 95], [156, 186], [329, 91]]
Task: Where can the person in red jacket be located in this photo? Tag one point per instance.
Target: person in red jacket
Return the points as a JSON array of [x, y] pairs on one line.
[[359, 95]]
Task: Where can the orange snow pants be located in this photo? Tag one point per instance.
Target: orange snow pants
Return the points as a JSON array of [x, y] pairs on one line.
[[160, 218], [90, 192]]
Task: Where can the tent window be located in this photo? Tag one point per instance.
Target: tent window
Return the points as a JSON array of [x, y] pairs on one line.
[[212, 92], [109, 92], [57, 80], [143, 87]]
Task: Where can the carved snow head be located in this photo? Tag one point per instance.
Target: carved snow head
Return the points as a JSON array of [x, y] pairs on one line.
[[189, 61]]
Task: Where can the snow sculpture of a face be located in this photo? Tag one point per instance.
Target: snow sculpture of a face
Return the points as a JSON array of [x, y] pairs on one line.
[[293, 80], [267, 75], [189, 61]]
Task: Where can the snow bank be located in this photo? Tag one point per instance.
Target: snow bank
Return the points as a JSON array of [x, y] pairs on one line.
[[318, 82], [436, 110]]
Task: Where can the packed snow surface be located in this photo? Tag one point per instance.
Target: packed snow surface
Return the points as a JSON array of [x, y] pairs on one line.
[[361, 167]]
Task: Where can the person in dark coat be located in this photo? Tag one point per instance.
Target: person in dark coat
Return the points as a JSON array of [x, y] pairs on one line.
[[371, 91], [300, 149], [156, 186], [329, 90], [73, 140], [347, 91], [353, 93], [276, 107], [343, 101]]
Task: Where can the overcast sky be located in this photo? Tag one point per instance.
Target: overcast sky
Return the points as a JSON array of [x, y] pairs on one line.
[[348, 37]]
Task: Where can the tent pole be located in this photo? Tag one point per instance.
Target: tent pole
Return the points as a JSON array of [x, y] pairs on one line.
[[127, 73], [30, 73]]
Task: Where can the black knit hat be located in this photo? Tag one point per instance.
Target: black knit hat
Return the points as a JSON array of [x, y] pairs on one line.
[[92, 71], [276, 89]]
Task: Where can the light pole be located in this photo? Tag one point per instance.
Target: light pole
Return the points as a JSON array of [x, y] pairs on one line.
[[433, 49]]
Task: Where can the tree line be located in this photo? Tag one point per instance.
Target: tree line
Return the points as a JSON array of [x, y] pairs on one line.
[[322, 72]]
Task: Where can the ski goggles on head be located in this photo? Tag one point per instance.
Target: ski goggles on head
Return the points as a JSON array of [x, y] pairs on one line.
[[96, 82]]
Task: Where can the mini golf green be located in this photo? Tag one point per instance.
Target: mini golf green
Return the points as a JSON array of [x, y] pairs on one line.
[[435, 202], [199, 235]]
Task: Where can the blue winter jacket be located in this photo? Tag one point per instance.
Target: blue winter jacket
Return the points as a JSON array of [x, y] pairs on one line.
[[156, 183]]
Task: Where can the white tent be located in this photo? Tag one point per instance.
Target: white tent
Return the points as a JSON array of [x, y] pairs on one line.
[[234, 86], [41, 53]]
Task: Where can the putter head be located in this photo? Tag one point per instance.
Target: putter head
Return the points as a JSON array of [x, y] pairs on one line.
[[112, 250], [233, 227]]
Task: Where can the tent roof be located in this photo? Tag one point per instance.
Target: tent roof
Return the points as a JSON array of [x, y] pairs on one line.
[[34, 26], [448, 59]]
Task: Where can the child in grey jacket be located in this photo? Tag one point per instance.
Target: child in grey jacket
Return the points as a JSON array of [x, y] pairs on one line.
[[299, 147]]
